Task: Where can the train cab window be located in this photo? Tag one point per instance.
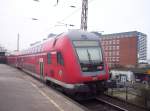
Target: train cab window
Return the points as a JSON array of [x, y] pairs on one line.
[[60, 59], [49, 58]]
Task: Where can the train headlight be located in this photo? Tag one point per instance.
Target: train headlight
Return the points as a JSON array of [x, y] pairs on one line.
[[94, 78], [100, 67], [84, 68]]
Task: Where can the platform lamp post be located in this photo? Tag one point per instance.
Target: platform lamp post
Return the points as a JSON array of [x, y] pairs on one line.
[[18, 36], [18, 41]]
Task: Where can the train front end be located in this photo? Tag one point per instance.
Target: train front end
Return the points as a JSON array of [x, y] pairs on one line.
[[90, 69]]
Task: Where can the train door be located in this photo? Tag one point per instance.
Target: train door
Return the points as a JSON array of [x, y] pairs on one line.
[[19, 62], [60, 66], [41, 67], [53, 65]]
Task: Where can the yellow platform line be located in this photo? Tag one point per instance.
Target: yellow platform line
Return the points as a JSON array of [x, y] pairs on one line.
[[46, 96]]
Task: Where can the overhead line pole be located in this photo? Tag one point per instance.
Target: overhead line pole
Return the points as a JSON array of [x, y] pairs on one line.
[[18, 42], [84, 15]]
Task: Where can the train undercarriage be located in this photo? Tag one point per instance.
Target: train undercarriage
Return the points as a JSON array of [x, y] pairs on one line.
[[88, 90]]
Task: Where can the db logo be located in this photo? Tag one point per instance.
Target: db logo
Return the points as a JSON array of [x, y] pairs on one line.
[[95, 78], [60, 72]]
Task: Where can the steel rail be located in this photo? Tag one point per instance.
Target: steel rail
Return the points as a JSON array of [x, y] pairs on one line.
[[110, 104]]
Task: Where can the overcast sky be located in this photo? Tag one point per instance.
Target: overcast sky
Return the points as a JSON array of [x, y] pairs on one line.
[[110, 16]]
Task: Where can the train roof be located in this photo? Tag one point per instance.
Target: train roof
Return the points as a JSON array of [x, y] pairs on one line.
[[76, 34], [71, 34], [79, 34]]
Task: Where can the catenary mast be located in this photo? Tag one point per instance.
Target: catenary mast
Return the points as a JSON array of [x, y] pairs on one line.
[[84, 15]]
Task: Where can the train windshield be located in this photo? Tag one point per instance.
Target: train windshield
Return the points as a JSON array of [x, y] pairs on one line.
[[90, 55], [88, 51]]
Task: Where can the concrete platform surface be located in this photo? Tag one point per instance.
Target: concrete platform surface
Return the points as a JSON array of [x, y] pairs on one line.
[[21, 92]]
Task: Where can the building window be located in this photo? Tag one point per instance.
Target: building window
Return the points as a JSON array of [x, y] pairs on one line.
[[109, 47], [117, 53], [106, 48], [106, 42], [110, 42], [114, 53], [117, 36], [103, 42], [109, 59], [113, 59], [117, 42], [110, 54], [114, 42], [106, 53], [117, 47], [106, 59], [117, 59], [114, 47], [109, 64]]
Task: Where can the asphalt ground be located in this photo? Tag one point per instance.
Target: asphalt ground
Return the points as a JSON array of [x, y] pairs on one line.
[[21, 92]]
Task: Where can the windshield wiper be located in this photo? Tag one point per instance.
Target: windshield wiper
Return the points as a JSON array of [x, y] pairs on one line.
[[89, 56]]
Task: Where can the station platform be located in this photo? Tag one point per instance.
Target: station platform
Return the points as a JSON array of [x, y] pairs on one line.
[[21, 92]]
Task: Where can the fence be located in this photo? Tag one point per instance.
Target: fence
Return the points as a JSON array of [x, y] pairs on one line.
[[137, 93]]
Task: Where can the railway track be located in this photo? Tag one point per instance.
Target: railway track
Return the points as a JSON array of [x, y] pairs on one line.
[[99, 104], [113, 106], [107, 103]]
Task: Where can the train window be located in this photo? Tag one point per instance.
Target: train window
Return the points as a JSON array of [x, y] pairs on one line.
[[49, 58], [38, 50], [85, 43], [89, 54], [60, 58]]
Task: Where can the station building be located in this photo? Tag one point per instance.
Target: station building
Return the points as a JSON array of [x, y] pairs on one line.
[[126, 49]]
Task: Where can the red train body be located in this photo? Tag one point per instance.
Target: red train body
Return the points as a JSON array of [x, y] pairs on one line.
[[72, 60]]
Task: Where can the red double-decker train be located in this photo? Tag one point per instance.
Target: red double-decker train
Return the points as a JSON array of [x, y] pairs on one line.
[[73, 61]]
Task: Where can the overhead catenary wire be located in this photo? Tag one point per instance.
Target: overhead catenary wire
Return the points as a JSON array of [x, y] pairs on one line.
[[71, 14], [66, 17]]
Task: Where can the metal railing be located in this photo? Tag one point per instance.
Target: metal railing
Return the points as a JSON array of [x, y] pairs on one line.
[[134, 93]]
